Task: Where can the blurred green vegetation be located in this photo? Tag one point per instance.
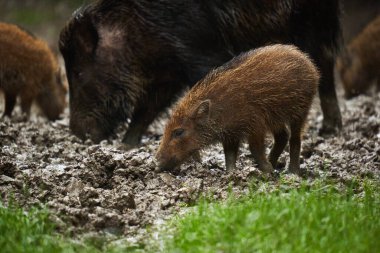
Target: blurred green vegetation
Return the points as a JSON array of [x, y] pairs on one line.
[[44, 18], [31, 17], [30, 231]]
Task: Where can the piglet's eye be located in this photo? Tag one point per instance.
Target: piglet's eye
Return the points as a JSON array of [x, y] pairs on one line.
[[178, 132]]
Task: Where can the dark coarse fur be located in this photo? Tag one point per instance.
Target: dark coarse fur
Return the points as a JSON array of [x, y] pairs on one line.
[[359, 64], [356, 15], [132, 58], [29, 69], [266, 90]]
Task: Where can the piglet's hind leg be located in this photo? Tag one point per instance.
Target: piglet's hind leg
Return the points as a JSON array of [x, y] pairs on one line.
[[295, 148], [280, 140], [231, 149], [257, 148]]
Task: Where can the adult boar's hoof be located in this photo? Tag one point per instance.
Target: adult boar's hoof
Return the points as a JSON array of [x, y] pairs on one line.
[[332, 122], [130, 141], [331, 128], [125, 147]]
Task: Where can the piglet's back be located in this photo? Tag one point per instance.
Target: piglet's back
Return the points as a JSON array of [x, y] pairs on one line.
[[24, 56], [273, 83]]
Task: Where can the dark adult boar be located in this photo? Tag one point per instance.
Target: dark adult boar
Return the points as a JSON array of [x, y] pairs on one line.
[[266, 90], [359, 64], [356, 16], [132, 58], [29, 69]]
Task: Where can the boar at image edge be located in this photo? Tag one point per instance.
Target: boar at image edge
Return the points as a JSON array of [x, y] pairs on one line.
[[359, 64], [29, 70]]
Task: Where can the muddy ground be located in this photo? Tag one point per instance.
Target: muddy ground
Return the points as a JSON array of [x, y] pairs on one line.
[[103, 188]]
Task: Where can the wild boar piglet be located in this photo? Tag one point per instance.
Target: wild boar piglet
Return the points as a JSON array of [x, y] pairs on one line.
[[267, 90], [29, 69]]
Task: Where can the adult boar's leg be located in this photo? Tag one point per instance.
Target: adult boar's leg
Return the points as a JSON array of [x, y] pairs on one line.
[[10, 101], [147, 111], [332, 119], [142, 117]]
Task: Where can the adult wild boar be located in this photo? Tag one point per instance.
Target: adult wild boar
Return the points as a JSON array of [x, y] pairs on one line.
[[130, 59]]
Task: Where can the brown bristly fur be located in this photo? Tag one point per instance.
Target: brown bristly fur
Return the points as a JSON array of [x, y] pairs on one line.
[[267, 90], [359, 65], [29, 69]]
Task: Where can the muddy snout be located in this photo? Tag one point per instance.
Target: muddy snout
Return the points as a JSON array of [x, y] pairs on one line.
[[88, 128], [165, 162]]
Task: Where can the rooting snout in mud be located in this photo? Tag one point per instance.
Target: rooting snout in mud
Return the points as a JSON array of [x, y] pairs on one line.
[[266, 90]]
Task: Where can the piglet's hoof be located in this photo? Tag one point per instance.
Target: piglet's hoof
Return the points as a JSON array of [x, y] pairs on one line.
[[267, 176], [267, 168], [306, 174]]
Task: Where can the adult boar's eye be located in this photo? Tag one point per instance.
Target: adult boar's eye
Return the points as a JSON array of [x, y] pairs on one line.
[[77, 74], [178, 132]]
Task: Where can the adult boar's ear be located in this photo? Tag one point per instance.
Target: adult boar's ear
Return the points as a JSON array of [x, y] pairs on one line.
[[87, 35], [201, 113], [80, 34]]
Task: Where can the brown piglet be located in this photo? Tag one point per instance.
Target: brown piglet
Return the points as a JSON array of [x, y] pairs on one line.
[[266, 90], [359, 64], [29, 69]]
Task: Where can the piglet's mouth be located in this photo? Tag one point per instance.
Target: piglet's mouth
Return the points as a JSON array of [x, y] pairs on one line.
[[172, 164], [168, 165]]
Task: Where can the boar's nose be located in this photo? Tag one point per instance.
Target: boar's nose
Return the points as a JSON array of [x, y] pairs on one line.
[[96, 135], [166, 164], [77, 131], [161, 161], [87, 128], [78, 126], [159, 158]]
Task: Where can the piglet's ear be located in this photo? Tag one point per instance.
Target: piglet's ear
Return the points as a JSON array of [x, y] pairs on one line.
[[202, 112]]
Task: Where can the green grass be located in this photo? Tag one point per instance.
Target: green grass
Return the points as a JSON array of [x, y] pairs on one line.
[[32, 231], [310, 219], [29, 232], [289, 217]]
